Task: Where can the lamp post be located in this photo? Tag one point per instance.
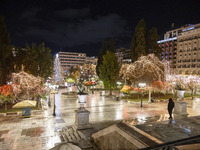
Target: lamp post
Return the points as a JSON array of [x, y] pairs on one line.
[[141, 85], [54, 106], [49, 102]]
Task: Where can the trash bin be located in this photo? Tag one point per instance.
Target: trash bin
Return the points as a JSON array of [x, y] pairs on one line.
[[26, 112]]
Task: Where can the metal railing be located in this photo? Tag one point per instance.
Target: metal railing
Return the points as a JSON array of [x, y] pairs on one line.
[[172, 145]]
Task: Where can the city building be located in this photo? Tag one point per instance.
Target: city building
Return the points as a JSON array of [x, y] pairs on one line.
[[188, 54], [63, 61], [180, 48], [92, 60], [123, 55]]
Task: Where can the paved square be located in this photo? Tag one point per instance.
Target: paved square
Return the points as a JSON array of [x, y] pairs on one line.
[[39, 132]]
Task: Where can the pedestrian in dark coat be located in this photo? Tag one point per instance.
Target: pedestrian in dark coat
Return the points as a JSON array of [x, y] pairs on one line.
[[170, 107]]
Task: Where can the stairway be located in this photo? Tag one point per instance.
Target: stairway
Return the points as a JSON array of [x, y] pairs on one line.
[[70, 135]]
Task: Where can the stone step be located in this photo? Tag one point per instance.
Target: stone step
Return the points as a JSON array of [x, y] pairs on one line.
[[72, 136], [70, 130], [82, 136], [69, 139], [64, 137], [77, 136]]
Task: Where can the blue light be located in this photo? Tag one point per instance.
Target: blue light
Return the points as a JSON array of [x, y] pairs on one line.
[[188, 29], [170, 39]]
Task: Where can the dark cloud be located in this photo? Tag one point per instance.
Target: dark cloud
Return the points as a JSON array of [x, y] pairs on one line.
[[83, 24], [73, 13], [30, 13], [75, 32]]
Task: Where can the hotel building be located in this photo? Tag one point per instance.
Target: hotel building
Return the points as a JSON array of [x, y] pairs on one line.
[[181, 47]]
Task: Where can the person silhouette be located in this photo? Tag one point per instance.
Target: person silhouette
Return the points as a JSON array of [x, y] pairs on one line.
[[170, 107]]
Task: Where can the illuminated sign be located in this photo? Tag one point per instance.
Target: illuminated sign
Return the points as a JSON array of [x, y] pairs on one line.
[[188, 29], [170, 39]]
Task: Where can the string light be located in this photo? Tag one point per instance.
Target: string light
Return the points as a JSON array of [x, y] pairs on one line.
[[26, 85], [147, 69]]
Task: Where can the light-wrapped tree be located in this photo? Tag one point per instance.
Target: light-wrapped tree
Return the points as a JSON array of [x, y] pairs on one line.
[[146, 69], [26, 86]]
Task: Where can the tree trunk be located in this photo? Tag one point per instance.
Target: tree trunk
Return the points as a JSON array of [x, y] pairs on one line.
[[192, 94], [5, 105], [110, 90], [149, 95], [195, 90]]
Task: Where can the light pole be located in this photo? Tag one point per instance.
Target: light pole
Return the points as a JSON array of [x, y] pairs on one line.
[[49, 102], [141, 85], [54, 106]]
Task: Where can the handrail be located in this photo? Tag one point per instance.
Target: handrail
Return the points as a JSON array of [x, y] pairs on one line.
[[172, 144]]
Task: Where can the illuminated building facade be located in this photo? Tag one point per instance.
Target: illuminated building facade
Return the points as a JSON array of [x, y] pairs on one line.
[[63, 61], [188, 54], [123, 55], [180, 48]]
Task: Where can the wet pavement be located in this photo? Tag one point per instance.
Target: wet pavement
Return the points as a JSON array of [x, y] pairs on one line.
[[40, 131]]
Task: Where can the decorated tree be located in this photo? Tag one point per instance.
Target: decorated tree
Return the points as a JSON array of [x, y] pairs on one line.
[[192, 83], [123, 71], [26, 86], [182, 82], [146, 69]]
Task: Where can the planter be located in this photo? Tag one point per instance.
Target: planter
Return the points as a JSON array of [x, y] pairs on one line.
[[180, 106], [180, 94], [81, 114], [82, 100]]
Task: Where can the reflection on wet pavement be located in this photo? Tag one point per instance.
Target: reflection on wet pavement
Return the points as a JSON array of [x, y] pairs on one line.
[[40, 131]]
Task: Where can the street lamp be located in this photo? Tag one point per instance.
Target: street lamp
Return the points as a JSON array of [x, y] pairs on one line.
[[141, 85], [54, 106]]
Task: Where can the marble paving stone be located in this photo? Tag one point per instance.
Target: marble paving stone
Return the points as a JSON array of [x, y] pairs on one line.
[[60, 121]]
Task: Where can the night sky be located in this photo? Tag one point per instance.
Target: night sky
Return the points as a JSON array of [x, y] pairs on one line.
[[81, 25]]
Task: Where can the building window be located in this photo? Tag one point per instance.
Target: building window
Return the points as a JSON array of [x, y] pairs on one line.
[[180, 72], [186, 72]]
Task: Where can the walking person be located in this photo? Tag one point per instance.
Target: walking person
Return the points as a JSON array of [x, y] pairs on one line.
[[170, 107]]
